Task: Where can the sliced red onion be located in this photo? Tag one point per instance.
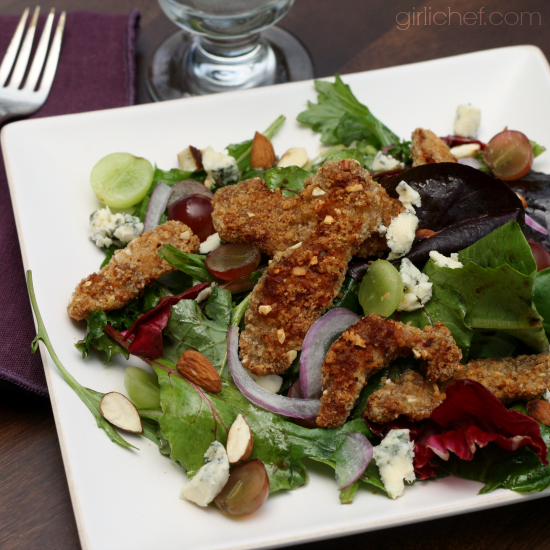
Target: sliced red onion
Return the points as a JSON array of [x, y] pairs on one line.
[[536, 226], [188, 187], [471, 161], [157, 205], [295, 408], [352, 458], [322, 334]]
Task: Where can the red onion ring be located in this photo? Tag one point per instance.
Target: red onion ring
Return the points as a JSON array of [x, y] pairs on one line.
[[352, 458], [157, 205], [295, 408], [317, 342]]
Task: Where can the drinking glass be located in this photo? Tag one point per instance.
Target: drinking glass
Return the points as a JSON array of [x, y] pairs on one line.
[[225, 45]]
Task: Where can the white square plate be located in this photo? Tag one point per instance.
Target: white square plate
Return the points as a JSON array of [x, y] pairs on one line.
[[129, 499]]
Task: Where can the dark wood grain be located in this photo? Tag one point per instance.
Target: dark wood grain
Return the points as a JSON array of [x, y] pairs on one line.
[[342, 36]]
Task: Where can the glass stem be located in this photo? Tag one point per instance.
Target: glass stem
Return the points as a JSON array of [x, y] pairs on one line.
[[235, 47]]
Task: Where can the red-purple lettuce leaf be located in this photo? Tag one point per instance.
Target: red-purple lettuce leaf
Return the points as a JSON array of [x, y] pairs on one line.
[[470, 417], [147, 330], [460, 203]]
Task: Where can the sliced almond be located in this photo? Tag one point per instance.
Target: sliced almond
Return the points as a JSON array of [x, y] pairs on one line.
[[539, 410], [190, 159], [240, 441], [198, 369], [120, 412], [295, 156], [262, 154]]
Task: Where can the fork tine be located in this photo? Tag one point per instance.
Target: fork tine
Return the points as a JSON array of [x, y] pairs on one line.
[[24, 54], [53, 58], [40, 55], [11, 52]]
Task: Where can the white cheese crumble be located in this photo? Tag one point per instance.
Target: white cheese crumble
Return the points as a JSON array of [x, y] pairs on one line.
[[394, 458], [401, 232], [546, 395], [210, 479], [417, 289], [119, 229], [220, 167], [384, 163], [467, 121], [443, 261], [408, 196], [211, 243]]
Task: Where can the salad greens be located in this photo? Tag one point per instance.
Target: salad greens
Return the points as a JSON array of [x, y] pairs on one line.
[[495, 305]]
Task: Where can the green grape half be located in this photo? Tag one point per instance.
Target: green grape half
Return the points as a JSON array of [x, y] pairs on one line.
[[381, 289], [142, 387], [121, 180]]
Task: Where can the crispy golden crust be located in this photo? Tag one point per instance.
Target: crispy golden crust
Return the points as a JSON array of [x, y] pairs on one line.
[[130, 270], [411, 395], [301, 283], [372, 343], [250, 212], [512, 378], [427, 148]]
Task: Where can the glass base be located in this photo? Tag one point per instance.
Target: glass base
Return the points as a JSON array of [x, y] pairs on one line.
[[283, 59]]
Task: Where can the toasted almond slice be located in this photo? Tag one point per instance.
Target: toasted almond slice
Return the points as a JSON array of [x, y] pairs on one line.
[[262, 154], [198, 369], [190, 159], [295, 156], [240, 441], [120, 412], [539, 410]]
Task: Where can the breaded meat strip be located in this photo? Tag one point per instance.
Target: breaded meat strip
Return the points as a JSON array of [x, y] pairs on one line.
[[427, 148], [410, 395], [301, 282], [250, 212], [512, 378], [130, 270], [371, 344]]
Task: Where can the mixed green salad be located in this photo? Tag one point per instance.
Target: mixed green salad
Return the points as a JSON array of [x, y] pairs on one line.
[[496, 303]]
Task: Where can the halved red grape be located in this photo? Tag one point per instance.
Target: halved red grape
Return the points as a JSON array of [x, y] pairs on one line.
[[194, 211], [246, 490], [233, 260], [542, 256], [509, 155]]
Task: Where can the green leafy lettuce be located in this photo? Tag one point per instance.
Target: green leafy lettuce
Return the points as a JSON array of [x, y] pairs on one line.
[[341, 118], [491, 299]]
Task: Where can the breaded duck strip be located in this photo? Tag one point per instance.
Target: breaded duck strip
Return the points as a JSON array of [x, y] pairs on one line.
[[130, 270], [250, 212], [371, 344], [301, 283], [411, 395], [524, 377], [427, 148]]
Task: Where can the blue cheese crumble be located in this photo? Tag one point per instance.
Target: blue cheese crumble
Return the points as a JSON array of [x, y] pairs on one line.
[[210, 479], [219, 167], [417, 289], [443, 261], [394, 458], [467, 121], [118, 229], [401, 232], [384, 163], [210, 243]]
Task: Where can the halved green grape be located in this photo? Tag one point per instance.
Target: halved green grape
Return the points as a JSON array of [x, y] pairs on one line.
[[121, 180], [142, 387], [381, 289]]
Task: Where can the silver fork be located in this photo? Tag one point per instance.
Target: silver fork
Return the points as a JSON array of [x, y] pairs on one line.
[[17, 100]]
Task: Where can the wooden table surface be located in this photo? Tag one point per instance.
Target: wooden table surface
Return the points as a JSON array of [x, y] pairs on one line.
[[342, 36]]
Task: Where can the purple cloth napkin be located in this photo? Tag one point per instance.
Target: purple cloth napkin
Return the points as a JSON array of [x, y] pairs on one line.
[[96, 71]]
